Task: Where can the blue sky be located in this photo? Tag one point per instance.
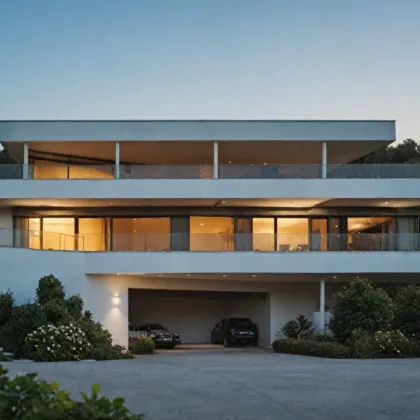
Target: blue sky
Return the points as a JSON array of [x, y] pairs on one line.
[[119, 59]]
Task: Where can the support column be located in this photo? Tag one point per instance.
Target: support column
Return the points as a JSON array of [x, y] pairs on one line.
[[322, 306], [25, 161], [324, 159], [117, 160], [215, 160]]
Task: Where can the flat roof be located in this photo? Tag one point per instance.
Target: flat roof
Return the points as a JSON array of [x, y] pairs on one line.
[[197, 130]]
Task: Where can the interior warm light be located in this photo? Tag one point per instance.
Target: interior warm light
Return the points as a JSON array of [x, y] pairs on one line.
[[254, 275], [224, 275], [230, 161], [201, 224]]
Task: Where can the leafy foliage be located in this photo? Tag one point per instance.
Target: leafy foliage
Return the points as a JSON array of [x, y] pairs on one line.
[[297, 328], [406, 152], [407, 311], [142, 345], [360, 306], [51, 344], [361, 344], [74, 305], [26, 397], [6, 306], [51, 307], [311, 348], [50, 289], [391, 343], [24, 319]]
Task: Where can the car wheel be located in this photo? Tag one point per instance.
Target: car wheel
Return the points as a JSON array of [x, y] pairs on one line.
[[226, 342]]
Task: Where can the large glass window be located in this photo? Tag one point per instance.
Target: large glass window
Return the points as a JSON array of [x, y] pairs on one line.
[[141, 234], [319, 234], [91, 235], [370, 233], [263, 233], [58, 233], [292, 234], [211, 233], [407, 238]]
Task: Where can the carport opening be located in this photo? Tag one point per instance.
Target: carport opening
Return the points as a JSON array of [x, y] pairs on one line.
[[193, 314]]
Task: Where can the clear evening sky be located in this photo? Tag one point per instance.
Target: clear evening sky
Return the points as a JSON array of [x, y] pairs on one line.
[[245, 59]]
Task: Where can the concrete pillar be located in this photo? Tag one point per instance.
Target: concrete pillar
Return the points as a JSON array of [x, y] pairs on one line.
[[324, 159], [25, 161], [322, 306], [117, 160], [215, 159]]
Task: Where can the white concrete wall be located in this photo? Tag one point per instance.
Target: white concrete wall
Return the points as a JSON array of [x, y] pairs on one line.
[[288, 130], [211, 188], [6, 226]]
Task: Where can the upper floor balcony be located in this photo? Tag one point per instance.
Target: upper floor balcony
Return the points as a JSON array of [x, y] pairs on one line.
[[207, 159]]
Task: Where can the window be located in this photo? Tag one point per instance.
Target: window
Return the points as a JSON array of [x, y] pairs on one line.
[[293, 234], [370, 233], [211, 233], [263, 234], [91, 235], [141, 234], [58, 233], [319, 234]]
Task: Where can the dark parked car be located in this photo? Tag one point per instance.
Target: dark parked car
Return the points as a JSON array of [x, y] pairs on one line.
[[161, 336], [235, 331]]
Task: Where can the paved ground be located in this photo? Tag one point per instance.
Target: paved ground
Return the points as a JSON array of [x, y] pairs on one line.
[[251, 384]]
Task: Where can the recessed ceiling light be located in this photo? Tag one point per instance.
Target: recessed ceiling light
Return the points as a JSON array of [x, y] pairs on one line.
[[159, 275], [188, 275], [135, 231], [254, 275], [110, 203], [265, 163], [134, 219], [230, 161], [224, 201], [224, 275], [334, 277], [201, 224], [386, 202]]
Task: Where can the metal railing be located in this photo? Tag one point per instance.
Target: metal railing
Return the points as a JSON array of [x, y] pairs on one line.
[[206, 171], [210, 242]]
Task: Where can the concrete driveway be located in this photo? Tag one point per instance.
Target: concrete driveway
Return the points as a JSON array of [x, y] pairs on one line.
[[253, 385]]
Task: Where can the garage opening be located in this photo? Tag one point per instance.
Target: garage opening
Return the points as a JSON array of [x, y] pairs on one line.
[[193, 314]]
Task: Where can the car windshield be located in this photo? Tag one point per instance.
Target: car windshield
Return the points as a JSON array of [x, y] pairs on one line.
[[241, 322], [157, 327]]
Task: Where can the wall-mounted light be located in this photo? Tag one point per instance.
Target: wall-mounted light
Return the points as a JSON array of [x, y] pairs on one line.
[[116, 300]]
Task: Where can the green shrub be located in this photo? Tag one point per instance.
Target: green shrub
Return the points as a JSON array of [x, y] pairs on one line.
[[50, 288], [311, 348], [26, 397], [74, 305], [360, 306], [322, 338], [6, 306], [407, 311], [361, 344], [51, 344], [24, 320], [393, 344], [296, 328], [56, 313], [141, 345]]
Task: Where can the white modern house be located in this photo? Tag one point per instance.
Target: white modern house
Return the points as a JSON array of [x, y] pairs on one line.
[[187, 222]]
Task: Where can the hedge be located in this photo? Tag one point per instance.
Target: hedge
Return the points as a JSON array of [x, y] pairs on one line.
[[311, 348]]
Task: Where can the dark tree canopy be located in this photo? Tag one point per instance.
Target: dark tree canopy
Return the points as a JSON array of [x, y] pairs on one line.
[[406, 152]]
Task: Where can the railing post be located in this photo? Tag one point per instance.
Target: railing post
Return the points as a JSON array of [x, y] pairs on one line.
[[324, 160], [322, 306], [215, 160], [25, 161], [117, 160]]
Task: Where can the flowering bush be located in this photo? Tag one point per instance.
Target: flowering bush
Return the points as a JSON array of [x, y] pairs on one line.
[[50, 343], [391, 343], [141, 345]]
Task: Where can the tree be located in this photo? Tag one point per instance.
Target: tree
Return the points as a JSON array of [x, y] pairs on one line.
[[407, 312], [363, 306], [5, 157], [406, 152]]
